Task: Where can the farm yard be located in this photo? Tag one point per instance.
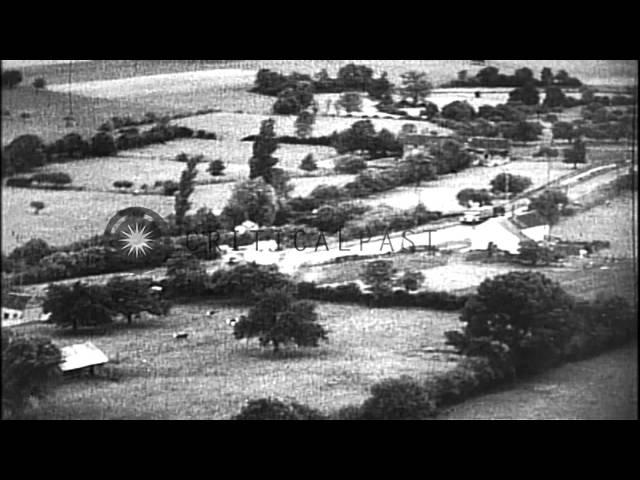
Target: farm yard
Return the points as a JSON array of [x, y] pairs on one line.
[[191, 362], [211, 375]]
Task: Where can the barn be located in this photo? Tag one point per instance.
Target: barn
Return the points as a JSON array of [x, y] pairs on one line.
[[18, 309]]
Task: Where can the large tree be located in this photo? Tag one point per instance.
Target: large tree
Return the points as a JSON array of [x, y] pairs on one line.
[[577, 153], [253, 200], [549, 204], [264, 146], [554, 97], [355, 77], [527, 94], [480, 196], [523, 310], [278, 319], [132, 297], [186, 187], [416, 86], [378, 274], [23, 154]]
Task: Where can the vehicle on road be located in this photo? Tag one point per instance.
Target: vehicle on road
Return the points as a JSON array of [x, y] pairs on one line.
[[474, 216]]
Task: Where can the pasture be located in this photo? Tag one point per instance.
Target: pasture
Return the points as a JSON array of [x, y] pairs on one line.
[[211, 375]]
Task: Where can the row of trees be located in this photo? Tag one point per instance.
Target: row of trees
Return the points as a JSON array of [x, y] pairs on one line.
[[491, 77]]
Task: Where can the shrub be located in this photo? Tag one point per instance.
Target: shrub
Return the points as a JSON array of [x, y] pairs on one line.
[[37, 206], [274, 409], [378, 275], [308, 163], [56, 178], [123, 184], [216, 167], [350, 164], [39, 83], [480, 196], [545, 151], [398, 399], [412, 280], [31, 252]]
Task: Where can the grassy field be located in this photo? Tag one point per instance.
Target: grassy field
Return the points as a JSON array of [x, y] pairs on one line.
[[211, 375]]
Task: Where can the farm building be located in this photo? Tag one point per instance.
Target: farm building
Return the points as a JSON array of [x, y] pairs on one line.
[[18, 309], [489, 151], [414, 144], [82, 355], [507, 233]]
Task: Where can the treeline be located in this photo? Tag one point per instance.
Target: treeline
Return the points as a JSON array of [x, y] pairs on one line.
[[26, 152], [351, 77], [491, 77]]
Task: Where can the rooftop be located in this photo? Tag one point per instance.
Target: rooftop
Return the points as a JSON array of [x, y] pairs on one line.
[[528, 220]]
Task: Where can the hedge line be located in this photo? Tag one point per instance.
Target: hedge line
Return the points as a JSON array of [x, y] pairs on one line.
[[351, 293]]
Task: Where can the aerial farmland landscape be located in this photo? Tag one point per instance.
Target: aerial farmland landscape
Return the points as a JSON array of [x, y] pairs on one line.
[[319, 239]]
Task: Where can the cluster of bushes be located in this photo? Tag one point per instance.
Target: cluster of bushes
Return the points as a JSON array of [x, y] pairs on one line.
[[362, 137], [518, 324]]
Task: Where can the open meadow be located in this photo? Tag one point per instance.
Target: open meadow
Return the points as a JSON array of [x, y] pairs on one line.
[[211, 375]]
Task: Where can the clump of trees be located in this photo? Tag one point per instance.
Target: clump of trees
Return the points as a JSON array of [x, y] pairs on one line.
[[491, 77], [510, 183], [39, 84], [278, 319], [262, 162], [90, 306], [349, 164], [186, 187], [379, 275], [363, 138], [304, 124], [525, 311], [415, 86], [480, 196], [350, 101]]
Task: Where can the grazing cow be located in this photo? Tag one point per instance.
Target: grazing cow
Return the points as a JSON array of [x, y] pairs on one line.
[[211, 312], [180, 335], [232, 321]]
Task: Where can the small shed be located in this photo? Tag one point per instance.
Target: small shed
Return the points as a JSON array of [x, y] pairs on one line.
[[80, 356]]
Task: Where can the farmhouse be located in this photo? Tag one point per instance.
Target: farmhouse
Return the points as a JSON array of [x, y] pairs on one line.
[[489, 151], [414, 144], [507, 233], [18, 309]]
